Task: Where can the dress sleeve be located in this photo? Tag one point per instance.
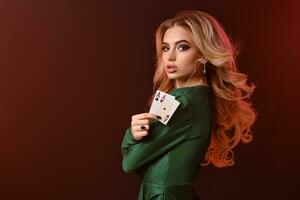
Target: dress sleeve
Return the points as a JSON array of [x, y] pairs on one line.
[[160, 139]]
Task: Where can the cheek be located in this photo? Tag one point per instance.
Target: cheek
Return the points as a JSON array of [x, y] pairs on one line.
[[189, 59], [164, 58]]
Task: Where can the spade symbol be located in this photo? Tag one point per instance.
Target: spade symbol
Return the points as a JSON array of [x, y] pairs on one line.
[[157, 97], [166, 118], [163, 98]]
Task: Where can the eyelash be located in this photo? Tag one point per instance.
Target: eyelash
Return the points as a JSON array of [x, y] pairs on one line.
[[186, 47]]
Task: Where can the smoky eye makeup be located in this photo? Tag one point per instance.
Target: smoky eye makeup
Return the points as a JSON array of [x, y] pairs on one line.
[[181, 47]]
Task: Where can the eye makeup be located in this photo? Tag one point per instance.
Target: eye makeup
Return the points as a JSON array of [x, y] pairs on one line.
[[180, 47]]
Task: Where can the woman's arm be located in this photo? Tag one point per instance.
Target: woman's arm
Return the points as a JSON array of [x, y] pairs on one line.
[[160, 140]]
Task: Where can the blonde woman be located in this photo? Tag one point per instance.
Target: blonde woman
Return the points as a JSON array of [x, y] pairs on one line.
[[195, 64]]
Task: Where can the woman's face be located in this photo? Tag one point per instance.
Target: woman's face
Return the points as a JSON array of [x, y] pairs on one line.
[[178, 53]]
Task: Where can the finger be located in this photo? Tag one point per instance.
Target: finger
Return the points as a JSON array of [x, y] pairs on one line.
[[141, 122], [135, 129], [138, 128], [146, 127], [144, 116], [143, 133], [151, 116], [138, 116], [142, 127]]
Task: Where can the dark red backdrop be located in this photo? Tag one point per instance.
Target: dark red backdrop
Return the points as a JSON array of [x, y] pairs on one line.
[[73, 73]]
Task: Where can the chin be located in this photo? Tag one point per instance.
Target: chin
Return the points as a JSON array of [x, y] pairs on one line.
[[172, 75], [175, 76]]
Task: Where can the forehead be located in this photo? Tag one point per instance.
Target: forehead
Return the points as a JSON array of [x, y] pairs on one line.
[[175, 34]]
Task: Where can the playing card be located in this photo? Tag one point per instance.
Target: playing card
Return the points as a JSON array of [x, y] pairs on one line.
[[167, 109], [164, 105], [159, 98]]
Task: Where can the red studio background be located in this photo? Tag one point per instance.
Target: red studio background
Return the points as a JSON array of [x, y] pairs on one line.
[[73, 72]]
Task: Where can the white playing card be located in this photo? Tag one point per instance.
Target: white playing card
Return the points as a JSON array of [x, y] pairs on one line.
[[159, 97], [167, 109], [164, 105]]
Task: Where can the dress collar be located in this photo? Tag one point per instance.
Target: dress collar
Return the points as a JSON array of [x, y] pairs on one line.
[[190, 88]]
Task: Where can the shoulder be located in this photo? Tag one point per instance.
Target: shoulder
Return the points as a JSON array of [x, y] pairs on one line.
[[185, 111], [184, 100], [193, 95]]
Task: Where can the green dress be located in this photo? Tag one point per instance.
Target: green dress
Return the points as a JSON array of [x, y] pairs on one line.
[[169, 157]]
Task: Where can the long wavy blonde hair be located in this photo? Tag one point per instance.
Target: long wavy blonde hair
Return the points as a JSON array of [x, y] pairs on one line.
[[233, 112]]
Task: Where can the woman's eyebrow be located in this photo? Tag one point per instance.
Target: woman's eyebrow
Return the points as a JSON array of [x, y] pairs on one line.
[[178, 42]]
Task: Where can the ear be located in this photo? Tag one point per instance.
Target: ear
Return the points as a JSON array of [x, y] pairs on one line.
[[203, 60]]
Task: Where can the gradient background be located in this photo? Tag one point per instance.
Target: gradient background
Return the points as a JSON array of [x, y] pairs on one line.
[[73, 72]]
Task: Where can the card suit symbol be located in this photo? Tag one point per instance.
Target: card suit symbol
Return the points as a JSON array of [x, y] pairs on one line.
[[157, 96], [163, 98], [166, 118]]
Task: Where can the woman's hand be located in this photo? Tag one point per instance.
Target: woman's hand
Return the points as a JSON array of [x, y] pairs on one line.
[[140, 124]]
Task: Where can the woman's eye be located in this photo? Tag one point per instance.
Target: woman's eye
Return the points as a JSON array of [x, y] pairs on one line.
[[183, 47], [164, 48]]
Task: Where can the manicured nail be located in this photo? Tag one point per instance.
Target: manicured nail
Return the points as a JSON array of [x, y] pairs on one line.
[[158, 117]]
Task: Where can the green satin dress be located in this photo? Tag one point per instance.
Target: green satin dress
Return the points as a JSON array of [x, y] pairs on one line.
[[169, 157]]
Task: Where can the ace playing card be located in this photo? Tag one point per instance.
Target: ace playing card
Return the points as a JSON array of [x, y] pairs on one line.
[[164, 105]]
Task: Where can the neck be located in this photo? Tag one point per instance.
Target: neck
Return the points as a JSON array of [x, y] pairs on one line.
[[189, 83]]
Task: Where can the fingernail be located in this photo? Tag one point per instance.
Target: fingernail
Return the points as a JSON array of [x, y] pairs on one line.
[[158, 117]]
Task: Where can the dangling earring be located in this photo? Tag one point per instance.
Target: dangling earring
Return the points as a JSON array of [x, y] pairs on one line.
[[203, 61], [204, 69]]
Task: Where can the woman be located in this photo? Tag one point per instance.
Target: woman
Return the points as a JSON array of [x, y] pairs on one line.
[[195, 64]]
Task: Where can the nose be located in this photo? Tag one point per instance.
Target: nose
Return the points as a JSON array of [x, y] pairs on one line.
[[171, 55]]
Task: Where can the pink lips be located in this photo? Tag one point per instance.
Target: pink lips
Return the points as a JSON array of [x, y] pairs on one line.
[[171, 68]]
